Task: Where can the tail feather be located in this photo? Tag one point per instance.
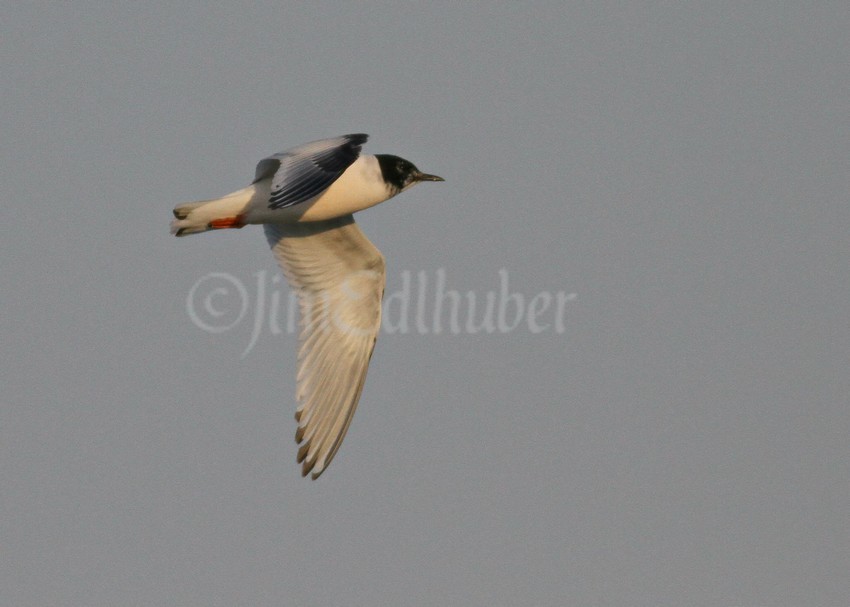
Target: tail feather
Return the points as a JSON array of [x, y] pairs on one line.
[[201, 216], [182, 224], [181, 211]]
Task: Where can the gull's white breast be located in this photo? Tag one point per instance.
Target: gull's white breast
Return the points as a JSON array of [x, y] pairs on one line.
[[361, 186]]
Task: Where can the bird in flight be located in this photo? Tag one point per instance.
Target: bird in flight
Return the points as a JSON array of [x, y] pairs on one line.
[[305, 197]]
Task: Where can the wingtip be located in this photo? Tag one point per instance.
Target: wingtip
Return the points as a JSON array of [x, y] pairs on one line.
[[357, 138], [315, 470], [310, 467]]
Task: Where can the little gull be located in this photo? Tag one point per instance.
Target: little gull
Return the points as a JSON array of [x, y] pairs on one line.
[[305, 197]]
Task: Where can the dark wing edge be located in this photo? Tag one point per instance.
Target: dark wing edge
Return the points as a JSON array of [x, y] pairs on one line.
[[306, 171]]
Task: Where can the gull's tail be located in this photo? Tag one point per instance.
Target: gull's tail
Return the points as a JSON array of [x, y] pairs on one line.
[[182, 225], [216, 214]]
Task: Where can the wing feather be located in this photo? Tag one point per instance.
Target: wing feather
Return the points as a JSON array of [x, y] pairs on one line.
[[339, 278], [308, 170]]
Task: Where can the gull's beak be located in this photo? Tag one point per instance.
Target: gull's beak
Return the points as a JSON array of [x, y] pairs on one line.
[[426, 177]]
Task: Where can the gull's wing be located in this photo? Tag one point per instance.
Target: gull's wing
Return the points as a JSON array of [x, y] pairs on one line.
[[303, 172], [339, 277]]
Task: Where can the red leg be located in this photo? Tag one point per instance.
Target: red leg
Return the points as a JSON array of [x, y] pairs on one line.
[[228, 222]]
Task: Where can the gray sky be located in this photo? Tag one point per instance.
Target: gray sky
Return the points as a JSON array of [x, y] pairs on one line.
[[682, 168]]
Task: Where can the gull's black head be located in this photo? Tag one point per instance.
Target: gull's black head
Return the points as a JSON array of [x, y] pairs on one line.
[[401, 174]]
